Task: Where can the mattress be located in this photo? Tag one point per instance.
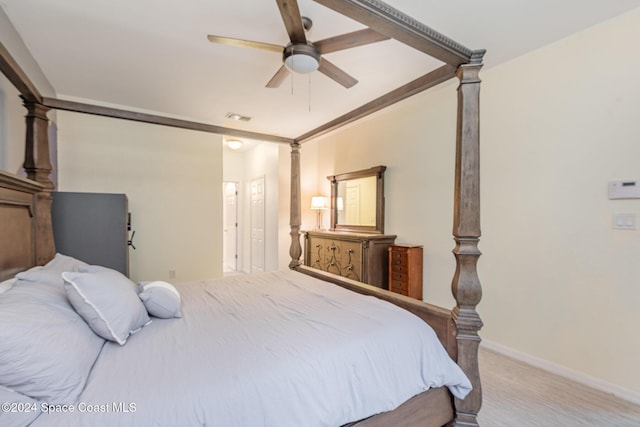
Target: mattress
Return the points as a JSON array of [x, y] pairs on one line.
[[273, 349]]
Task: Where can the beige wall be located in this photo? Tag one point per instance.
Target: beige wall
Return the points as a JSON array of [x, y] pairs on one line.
[[12, 41], [556, 126], [173, 180], [12, 127]]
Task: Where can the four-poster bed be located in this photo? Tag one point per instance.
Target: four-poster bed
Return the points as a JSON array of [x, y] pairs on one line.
[[25, 203]]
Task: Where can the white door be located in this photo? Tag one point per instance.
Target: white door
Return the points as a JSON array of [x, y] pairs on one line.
[[257, 225], [230, 221], [352, 204]]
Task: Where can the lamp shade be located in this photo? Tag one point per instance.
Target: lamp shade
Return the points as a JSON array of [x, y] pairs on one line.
[[319, 202]]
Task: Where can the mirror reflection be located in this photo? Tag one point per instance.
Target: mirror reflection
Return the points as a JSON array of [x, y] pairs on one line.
[[357, 200]]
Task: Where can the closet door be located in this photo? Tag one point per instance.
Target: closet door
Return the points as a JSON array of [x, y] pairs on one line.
[[257, 225], [230, 231]]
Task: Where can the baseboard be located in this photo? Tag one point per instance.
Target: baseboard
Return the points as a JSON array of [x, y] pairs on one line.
[[563, 371]]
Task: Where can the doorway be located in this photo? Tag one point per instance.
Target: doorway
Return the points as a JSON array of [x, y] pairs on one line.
[[230, 223]]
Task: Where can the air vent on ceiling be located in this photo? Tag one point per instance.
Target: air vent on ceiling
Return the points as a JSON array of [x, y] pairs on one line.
[[239, 117]]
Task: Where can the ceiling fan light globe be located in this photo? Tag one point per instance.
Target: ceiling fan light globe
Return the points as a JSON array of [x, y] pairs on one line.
[[301, 58], [301, 63]]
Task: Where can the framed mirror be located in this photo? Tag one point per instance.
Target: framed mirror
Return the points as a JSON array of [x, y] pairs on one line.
[[357, 200]]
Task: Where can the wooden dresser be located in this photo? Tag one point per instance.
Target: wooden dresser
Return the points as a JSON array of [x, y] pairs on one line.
[[357, 256], [405, 270]]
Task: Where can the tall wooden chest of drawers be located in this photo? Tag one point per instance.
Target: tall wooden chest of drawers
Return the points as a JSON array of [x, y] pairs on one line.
[[405, 270], [357, 256]]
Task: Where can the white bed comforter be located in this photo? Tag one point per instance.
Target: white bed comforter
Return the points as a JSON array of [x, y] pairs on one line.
[[275, 349]]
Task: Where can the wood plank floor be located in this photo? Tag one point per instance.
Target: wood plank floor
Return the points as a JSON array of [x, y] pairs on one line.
[[518, 394]]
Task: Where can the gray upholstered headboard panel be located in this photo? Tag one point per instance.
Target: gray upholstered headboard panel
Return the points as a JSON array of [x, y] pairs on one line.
[[17, 224]]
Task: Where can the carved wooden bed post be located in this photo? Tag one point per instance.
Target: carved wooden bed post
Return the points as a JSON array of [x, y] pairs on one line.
[[37, 165], [466, 231], [295, 250]]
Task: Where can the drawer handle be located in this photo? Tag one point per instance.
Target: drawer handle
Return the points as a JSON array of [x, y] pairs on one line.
[[350, 267]]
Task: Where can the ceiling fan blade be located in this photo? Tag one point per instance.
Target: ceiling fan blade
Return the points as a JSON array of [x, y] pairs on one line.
[[349, 40], [335, 73], [245, 43], [292, 20], [279, 77]]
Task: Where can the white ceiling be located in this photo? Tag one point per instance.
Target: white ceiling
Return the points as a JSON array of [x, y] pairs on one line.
[[154, 56]]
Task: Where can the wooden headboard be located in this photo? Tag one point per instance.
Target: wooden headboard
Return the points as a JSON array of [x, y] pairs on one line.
[[18, 199]]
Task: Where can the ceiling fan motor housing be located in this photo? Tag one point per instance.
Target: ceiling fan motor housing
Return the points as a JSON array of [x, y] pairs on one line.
[[301, 57]]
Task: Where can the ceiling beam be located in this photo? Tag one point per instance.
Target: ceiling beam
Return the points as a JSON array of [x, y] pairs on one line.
[[418, 85], [390, 22], [79, 107], [12, 71]]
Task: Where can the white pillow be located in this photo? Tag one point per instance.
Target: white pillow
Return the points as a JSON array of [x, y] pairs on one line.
[[46, 349], [161, 299], [107, 301], [51, 272]]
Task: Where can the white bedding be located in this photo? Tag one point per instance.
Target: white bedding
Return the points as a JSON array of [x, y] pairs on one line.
[[275, 349]]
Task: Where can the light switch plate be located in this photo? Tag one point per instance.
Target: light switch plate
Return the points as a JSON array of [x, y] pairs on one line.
[[624, 221]]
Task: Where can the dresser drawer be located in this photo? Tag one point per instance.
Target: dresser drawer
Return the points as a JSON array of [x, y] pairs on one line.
[[399, 276], [351, 255], [399, 285], [398, 254], [399, 268], [404, 292], [317, 255], [398, 261]]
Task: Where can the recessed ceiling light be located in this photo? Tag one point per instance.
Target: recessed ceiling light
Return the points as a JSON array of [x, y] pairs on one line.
[[239, 117], [234, 144]]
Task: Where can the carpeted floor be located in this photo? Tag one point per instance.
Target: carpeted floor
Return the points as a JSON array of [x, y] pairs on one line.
[[518, 394]]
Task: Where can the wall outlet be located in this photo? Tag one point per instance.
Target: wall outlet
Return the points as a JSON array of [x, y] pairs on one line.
[[172, 274], [624, 221]]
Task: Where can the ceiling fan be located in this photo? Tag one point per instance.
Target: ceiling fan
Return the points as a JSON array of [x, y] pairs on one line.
[[301, 55]]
